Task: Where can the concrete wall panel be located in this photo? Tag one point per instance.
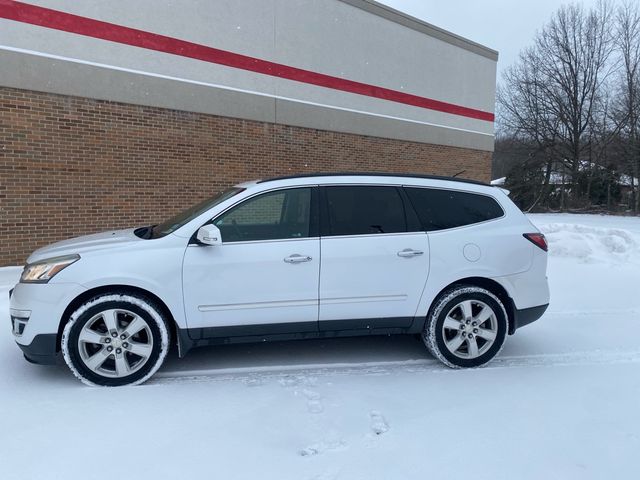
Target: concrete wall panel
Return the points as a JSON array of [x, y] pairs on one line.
[[330, 37]]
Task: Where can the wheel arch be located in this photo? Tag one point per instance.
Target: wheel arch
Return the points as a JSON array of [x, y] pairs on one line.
[[488, 284], [123, 289]]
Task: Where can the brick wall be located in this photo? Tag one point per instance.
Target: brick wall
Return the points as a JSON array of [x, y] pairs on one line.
[[71, 166]]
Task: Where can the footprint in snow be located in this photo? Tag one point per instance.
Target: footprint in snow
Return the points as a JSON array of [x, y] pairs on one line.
[[379, 424], [254, 382], [321, 447], [328, 475], [297, 380], [314, 402]]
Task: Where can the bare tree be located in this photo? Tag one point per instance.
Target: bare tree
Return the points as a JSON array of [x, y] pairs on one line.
[[573, 53], [523, 116], [550, 96], [603, 130], [628, 45]]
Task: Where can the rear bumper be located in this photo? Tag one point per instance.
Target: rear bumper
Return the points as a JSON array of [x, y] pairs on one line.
[[526, 316], [42, 350]]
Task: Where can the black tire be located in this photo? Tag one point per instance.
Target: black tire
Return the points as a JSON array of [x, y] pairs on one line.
[[154, 336], [436, 338]]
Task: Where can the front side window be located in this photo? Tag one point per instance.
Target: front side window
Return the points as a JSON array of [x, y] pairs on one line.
[[439, 209], [271, 216], [362, 210]]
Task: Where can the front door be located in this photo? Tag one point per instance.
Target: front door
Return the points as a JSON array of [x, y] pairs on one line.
[[264, 277], [374, 267]]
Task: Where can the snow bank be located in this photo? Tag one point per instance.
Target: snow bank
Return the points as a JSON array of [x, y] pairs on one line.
[[592, 244], [593, 265]]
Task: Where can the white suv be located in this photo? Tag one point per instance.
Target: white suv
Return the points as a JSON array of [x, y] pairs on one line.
[[289, 258]]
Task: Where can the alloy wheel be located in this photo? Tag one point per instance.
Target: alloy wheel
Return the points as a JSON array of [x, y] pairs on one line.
[[115, 343], [470, 329]]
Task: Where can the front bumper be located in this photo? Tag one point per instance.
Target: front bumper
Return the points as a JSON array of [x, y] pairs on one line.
[[35, 312], [42, 350]]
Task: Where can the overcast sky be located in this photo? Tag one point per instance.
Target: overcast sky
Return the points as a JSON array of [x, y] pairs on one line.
[[504, 25]]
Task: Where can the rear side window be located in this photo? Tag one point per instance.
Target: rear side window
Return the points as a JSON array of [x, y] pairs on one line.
[[362, 210], [441, 209]]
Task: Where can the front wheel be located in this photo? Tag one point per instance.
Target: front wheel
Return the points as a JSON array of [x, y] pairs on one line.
[[115, 339], [466, 327]]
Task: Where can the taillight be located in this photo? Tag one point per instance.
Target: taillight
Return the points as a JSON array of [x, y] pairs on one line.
[[537, 239]]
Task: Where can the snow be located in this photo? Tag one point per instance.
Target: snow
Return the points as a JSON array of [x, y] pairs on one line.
[[560, 402]]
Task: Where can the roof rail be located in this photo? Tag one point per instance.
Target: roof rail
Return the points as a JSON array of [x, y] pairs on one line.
[[374, 174]]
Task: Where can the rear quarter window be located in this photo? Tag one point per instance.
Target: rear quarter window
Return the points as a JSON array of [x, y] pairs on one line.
[[439, 209]]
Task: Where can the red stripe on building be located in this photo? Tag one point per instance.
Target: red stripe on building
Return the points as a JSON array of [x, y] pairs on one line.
[[67, 22]]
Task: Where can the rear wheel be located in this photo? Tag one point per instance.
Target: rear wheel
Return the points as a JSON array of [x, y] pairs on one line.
[[466, 327], [115, 340]]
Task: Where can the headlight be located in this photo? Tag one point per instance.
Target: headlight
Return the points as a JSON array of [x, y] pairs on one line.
[[45, 270]]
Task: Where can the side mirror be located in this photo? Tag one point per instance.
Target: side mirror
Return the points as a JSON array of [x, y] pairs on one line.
[[209, 235]]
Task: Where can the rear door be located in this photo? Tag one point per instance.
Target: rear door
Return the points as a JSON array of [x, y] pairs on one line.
[[374, 264]]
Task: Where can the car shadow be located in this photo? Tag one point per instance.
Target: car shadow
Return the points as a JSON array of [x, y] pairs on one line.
[[354, 350]]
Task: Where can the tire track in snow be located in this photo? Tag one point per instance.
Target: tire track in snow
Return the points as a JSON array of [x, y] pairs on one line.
[[301, 373]]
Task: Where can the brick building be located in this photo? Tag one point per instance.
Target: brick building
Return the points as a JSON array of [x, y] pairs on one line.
[[115, 114]]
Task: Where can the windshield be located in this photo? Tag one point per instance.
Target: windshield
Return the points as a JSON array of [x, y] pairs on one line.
[[189, 214]]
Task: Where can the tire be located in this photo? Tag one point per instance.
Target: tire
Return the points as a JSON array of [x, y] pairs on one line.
[[461, 317], [115, 339]]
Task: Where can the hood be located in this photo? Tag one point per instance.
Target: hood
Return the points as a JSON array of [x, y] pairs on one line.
[[86, 243]]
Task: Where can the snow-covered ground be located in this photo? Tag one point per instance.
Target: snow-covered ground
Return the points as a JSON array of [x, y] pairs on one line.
[[561, 402]]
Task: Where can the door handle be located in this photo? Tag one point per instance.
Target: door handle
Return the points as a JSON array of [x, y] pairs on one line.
[[295, 258], [409, 252]]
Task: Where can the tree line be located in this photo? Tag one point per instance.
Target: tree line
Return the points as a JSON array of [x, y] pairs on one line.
[[568, 113]]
